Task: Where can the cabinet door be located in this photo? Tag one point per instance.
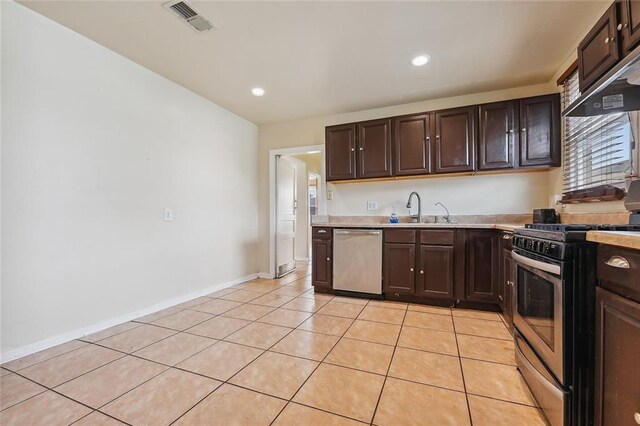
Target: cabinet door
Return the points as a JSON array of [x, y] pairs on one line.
[[630, 21], [455, 140], [483, 266], [507, 285], [340, 145], [498, 135], [374, 149], [412, 143], [540, 131], [321, 264], [399, 268], [435, 274], [617, 380], [599, 50]]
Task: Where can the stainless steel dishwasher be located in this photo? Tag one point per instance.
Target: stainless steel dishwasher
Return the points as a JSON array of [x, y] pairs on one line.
[[357, 260]]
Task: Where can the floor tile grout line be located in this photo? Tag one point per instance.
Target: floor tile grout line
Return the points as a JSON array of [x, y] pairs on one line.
[[464, 383], [314, 370], [384, 383]]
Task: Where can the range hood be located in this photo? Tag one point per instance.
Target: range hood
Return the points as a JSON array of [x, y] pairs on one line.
[[617, 91]]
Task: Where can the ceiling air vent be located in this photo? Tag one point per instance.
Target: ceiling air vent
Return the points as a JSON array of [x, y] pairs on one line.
[[188, 14]]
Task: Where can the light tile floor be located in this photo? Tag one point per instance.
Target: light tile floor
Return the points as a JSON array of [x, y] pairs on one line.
[[271, 352]]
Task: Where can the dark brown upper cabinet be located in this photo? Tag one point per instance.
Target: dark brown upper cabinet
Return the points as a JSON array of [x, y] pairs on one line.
[[399, 268], [412, 145], [498, 135], [483, 266], [435, 274], [340, 151], [629, 25], [374, 149], [455, 140], [540, 131], [599, 50]]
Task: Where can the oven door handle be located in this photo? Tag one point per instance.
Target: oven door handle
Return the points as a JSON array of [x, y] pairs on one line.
[[547, 267]]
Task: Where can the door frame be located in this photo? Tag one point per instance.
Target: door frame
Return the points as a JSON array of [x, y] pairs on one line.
[[273, 217]]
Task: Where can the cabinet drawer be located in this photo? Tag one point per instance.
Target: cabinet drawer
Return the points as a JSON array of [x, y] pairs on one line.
[[322, 233], [400, 236], [440, 237], [619, 271]]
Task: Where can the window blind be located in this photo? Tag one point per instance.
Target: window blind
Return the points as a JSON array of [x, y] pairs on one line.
[[597, 150]]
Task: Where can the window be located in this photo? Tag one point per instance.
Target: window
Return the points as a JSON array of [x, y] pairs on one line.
[[597, 150]]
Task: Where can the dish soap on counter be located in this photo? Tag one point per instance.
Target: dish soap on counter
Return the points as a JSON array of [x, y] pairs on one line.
[[394, 216]]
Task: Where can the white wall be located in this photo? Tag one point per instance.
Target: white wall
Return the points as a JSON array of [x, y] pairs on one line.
[[481, 194], [94, 147]]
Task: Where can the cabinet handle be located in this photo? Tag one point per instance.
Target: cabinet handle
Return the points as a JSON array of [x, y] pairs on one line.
[[422, 272], [618, 262], [619, 27], [411, 269], [322, 231], [506, 237], [606, 40], [500, 297], [636, 417]]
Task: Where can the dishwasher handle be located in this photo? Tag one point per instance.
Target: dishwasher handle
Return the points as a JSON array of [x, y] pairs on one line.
[[357, 232]]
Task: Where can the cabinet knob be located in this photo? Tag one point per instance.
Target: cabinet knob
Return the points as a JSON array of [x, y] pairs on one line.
[[411, 269], [427, 138], [636, 417], [619, 27], [437, 136], [361, 149], [422, 272], [353, 149], [328, 259], [510, 131], [606, 40], [506, 237], [524, 129]]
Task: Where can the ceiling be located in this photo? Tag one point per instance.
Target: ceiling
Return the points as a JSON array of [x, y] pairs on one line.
[[317, 58]]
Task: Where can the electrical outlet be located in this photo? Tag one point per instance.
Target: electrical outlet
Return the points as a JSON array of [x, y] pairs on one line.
[[372, 205], [168, 215], [330, 195]]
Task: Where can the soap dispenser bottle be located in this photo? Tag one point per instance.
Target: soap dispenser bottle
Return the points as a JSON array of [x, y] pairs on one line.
[[394, 216]]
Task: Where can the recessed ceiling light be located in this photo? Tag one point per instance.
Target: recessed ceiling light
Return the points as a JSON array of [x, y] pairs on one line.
[[257, 91], [420, 60]]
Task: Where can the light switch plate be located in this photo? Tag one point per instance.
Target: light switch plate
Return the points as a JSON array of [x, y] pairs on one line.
[[168, 215], [330, 195], [372, 205]]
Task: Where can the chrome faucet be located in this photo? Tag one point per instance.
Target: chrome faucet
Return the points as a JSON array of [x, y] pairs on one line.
[[417, 218], [447, 218]]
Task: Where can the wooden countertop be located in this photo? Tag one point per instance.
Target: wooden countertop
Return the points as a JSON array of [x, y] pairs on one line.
[[630, 240]]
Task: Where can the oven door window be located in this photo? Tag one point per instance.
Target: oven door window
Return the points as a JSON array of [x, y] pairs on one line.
[[535, 304]]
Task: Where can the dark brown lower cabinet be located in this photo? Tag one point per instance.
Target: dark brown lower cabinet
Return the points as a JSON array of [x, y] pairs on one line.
[[321, 264], [507, 280], [617, 381], [483, 266], [435, 274], [399, 268]]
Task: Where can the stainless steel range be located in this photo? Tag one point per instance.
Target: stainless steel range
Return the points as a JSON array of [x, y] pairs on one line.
[[554, 315]]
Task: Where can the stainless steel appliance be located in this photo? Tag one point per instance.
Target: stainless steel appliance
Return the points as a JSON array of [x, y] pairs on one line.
[[357, 261], [554, 317]]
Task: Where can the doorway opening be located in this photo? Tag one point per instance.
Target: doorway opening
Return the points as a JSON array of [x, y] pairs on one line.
[[297, 194]]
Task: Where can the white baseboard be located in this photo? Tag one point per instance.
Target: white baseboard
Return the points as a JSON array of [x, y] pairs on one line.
[[94, 328], [265, 275]]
